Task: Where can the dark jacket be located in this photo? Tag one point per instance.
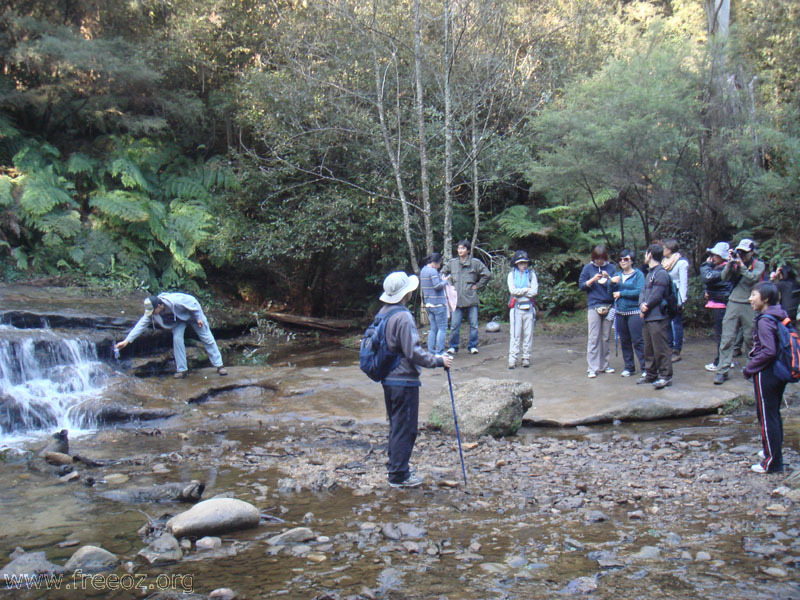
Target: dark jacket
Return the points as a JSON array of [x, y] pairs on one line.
[[629, 291], [790, 296], [655, 289], [765, 340], [717, 288], [402, 338], [465, 275], [597, 294]]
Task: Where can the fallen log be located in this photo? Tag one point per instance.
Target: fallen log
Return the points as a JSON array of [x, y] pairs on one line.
[[334, 325]]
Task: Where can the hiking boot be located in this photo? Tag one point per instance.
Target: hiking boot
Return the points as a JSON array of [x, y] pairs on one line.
[[720, 378], [626, 373], [608, 370], [473, 350], [526, 363], [661, 383], [676, 356], [181, 374], [645, 378], [222, 371], [411, 481], [711, 367]]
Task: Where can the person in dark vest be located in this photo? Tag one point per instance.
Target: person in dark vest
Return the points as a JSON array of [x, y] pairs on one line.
[[401, 386]]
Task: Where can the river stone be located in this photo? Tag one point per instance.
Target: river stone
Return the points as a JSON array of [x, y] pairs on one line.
[[218, 515], [222, 594], [29, 563], [57, 458], [484, 407], [293, 536], [208, 543], [164, 549], [92, 559], [167, 492]]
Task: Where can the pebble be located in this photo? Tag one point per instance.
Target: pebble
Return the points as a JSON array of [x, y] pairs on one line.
[[702, 556]]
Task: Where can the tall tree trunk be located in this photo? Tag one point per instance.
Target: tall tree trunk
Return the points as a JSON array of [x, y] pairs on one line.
[[476, 192], [423, 141], [394, 158], [448, 136]]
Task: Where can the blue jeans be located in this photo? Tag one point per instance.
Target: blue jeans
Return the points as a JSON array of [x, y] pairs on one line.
[[204, 335], [675, 333], [631, 340], [436, 338], [455, 326]]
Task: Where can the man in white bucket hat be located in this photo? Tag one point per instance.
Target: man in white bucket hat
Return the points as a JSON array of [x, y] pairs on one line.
[[401, 385]]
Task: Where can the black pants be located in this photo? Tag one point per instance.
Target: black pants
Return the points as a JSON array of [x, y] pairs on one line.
[[402, 410], [630, 340], [769, 394], [719, 314]]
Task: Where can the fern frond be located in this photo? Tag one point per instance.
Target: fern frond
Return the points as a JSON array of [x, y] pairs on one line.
[[129, 173], [186, 188], [43, 191], [80, 163], [516, 222], [6, 185], [127, 206], [66, 225]]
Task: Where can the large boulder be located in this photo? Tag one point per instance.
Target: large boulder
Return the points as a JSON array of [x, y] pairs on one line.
[[484, 407], [217, 515]]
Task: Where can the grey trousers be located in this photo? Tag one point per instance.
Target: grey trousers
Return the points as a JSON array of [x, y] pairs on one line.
[[737, 315], [598, 347], [521, 324], [204, 335]]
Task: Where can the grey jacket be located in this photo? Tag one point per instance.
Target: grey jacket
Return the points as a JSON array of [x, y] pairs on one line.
[[402, 338], [179, 307], [743, 279], [465, 275]]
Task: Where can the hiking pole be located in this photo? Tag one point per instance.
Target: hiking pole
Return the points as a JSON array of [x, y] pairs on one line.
[[455, 420]]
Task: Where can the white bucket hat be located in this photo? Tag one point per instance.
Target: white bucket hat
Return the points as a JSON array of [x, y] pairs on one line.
[[720, 249], [397, 285]]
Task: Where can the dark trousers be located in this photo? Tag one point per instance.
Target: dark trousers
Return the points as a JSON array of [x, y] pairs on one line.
[[629, 328], [718, 314], [657, 353], [402, 410], [769, 394]]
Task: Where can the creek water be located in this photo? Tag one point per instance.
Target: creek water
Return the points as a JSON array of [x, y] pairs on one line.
[[547, 551]]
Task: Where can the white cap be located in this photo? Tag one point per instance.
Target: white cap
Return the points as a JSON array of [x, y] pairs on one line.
[[148, 307], [397, 285], [747, 245]]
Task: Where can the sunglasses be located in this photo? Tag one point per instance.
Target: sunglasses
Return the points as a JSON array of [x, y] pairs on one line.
[[624, 258]]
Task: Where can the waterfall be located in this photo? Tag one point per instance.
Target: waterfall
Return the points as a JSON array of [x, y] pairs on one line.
[[44, 376]]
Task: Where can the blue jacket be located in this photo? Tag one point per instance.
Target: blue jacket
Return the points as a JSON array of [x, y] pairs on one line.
[[597, 294], [629, 291]]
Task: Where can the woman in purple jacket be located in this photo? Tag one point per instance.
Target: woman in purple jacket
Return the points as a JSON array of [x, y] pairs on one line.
[[767, 387]]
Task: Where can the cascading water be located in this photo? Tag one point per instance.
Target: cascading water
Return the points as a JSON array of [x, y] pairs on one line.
[[44, 377]]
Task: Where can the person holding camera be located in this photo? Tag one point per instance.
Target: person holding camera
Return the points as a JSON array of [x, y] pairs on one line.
[[716, 291], [744, 271], [595, 280], [788, 289]]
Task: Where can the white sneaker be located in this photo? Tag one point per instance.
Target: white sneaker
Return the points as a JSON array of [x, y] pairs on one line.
[[758, 469], [608, 370], [592, 375], [711, 367], [451, 351], [625, 373], [473, 350], [761, 455]]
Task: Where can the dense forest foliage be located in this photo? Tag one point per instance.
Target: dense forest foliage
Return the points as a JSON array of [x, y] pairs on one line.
[[298, 151]]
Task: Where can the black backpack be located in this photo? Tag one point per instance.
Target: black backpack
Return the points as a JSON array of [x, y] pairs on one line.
[[670, 302], [374, 357]]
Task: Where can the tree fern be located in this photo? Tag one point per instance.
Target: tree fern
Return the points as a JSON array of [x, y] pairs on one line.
[[79, 163], [516, 222], [186, 188], [6, 187], [129, 174]]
